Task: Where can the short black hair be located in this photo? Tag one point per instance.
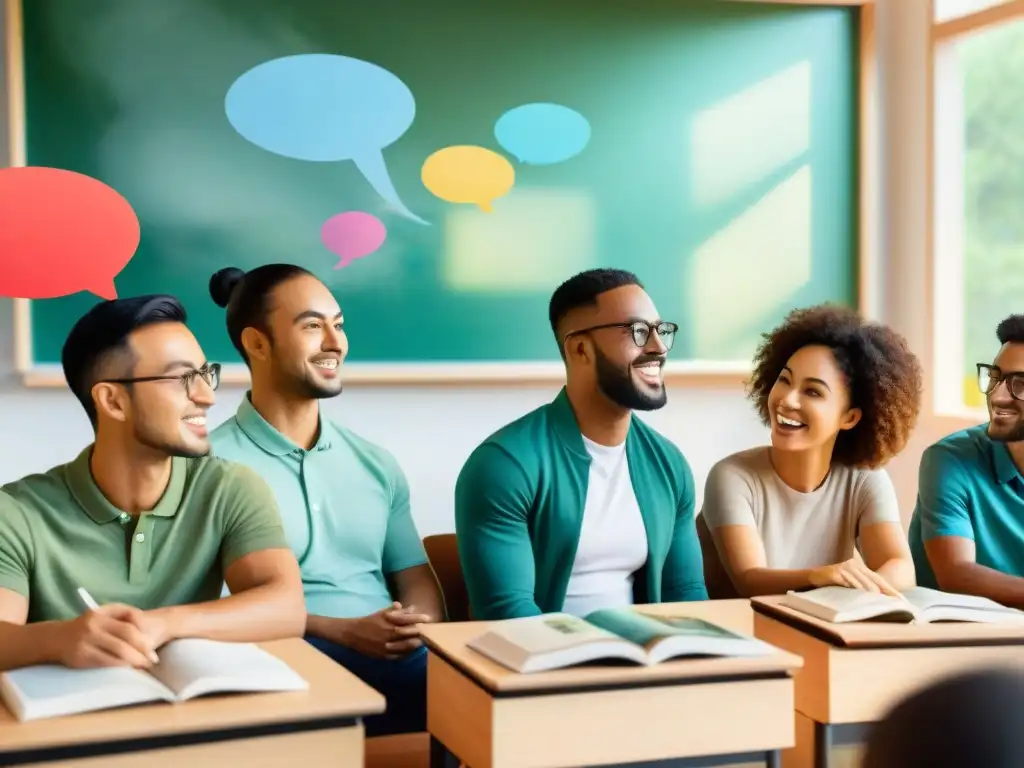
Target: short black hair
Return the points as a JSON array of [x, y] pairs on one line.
[[972, 718], [100, 338], [582, 290], [246, 296], [1011, 330]]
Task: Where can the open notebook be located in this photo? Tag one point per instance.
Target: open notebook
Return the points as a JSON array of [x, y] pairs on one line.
[[188, 668], [555, 640], [922, 606]]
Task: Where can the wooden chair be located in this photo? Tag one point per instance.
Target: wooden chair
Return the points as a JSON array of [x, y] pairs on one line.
[[443, 553]]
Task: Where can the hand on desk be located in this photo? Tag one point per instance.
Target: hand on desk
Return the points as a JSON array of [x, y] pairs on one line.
[[852, 573], [387, 634], [110, 636]]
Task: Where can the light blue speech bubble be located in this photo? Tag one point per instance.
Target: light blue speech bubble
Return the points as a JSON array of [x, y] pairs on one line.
[[542, 133], [324, 108]]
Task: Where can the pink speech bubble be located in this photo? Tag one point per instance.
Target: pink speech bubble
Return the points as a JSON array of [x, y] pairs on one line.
[[352, 235], [62, 232]]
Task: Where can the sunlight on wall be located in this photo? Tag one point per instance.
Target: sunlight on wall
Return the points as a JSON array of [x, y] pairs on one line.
[[750, 268], [534, 239], [739, 141], [954, 9]]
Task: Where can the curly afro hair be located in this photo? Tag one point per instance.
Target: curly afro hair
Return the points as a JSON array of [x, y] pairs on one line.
[[884, 378]]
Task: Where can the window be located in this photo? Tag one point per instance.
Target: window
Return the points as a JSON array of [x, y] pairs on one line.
[[979, 211], [954, 9]]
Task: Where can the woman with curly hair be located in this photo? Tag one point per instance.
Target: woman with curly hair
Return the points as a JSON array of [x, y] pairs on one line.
[[815, 507]]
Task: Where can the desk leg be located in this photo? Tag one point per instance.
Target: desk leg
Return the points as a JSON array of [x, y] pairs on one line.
[[822, 744], [773, 759], [440, 757]]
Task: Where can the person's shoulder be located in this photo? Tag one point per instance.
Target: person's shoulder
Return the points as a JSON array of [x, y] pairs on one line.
[[966, 447], [370, 452], [220, 476], [228, 435], [653, 441], [41, 491]]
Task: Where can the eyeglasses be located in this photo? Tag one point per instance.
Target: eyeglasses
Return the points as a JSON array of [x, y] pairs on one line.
[[640, 330], [989, 377], [209, 373]]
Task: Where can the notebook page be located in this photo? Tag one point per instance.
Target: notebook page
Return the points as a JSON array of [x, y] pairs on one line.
[[183, 662]]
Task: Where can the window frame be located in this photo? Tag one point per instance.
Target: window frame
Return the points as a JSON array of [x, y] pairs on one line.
[[948, 205]]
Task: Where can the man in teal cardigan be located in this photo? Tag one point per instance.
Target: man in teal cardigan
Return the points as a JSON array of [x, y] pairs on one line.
[[579, 505]]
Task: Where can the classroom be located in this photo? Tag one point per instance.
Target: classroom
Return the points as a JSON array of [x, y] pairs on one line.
[[744, 158]]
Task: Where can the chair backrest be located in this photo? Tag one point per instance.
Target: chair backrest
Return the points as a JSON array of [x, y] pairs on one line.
[[443, 553], [716, 577]]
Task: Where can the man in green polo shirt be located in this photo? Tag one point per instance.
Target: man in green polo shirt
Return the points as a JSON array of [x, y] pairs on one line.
[[143, 521], [344, 500], [967, 530]]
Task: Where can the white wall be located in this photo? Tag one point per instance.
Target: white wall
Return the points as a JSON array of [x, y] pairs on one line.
[[431, 431]]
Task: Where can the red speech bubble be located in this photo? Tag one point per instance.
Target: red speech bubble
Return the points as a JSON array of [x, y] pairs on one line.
[[62, 232]]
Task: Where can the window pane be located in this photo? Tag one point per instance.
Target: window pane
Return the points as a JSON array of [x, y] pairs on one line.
[[954, 9], [992, 68]]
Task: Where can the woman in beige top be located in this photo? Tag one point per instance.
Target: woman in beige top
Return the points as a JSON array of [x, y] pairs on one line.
[[815, 508]]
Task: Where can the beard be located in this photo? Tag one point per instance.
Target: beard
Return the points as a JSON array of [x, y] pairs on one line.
[[302, 384], [1014, 434], [617, 384], [148, 437]]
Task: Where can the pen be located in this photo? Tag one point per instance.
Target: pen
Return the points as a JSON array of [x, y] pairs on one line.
[[91, 604]]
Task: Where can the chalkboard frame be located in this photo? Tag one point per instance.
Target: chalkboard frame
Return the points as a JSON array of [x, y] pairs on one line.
[[720, 374]]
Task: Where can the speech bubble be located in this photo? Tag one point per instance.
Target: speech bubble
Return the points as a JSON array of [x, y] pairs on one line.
[[324, 107], [542, 133], [62, 232], [468, 174], [353, 235]]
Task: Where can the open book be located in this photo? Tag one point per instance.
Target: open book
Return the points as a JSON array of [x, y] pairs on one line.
[[555, 640], [188, 668], [921, 606]]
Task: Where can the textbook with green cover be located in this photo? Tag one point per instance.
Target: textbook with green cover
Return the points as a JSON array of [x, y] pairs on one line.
[[556, 640], [188, 668]]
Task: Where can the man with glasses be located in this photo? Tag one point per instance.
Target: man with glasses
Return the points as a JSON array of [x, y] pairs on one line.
[[967, 530], [579, 505], [143, 521]]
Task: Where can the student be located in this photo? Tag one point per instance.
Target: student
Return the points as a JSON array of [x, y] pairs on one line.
[[814, 508], [966, 532], [345, 501], [579, 505], [143, 519]]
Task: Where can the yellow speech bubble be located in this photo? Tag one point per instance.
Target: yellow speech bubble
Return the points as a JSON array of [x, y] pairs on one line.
[[468, 174]]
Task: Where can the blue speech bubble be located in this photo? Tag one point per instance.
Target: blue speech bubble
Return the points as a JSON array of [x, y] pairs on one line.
[[324, 108], [542, 133]]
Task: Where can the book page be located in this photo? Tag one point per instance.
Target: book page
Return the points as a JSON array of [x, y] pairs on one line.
[[51, 690], [925, 598], [545, 634], [647, 631], [191, 666]]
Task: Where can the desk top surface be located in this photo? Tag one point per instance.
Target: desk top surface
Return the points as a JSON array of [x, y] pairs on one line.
[[875, 634], [449, 642], [334, 692]]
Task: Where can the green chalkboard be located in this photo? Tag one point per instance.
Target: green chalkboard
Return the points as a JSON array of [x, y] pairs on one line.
[[721, 165]]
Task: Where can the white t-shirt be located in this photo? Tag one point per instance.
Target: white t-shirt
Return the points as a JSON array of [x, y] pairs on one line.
[[799, 530], [613, 539]]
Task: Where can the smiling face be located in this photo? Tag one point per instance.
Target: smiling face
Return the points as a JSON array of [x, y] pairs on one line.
[[809, 405], [1006, 413], [308, 342], [629, 375], [167, 414]]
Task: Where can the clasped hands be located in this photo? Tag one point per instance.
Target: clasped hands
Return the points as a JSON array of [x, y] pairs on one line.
[[390, 633]]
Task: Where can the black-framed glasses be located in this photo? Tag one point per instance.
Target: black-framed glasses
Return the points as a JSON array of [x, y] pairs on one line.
[[989, 377], [209, 373], [640, 330]]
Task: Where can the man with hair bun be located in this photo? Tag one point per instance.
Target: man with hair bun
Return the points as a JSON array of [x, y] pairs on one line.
[[143, 519], [344, 500]]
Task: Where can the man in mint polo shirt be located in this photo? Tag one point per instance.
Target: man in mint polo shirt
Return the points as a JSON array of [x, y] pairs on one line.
[[143, 519], [967, 530], [580, 505], [344, 500]]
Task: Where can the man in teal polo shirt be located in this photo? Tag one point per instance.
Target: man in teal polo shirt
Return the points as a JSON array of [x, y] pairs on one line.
[[579, 505], [344, 500], [143, 519], [967, 530]]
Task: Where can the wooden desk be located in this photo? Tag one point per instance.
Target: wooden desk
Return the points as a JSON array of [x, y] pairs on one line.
[[694, 712], [853, 673], [319, 726]]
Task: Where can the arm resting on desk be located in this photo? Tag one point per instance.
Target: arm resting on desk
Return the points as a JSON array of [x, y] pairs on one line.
[[21, 644], [887, 553], [492, 504], [952, 562]]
